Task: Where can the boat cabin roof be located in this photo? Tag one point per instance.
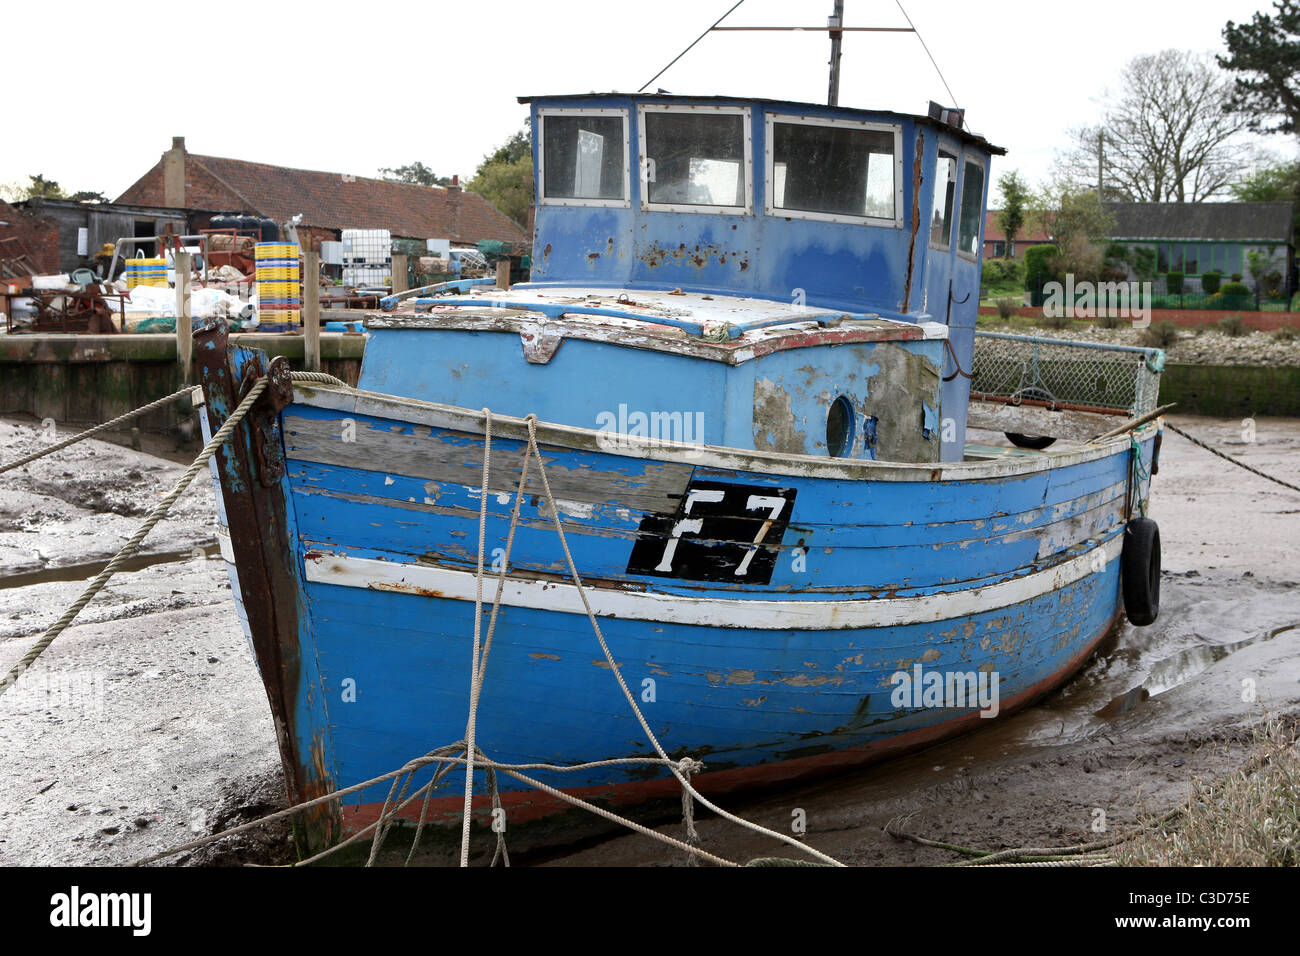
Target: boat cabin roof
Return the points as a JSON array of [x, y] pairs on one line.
[[862, 211], [847, 112], [728, 329]]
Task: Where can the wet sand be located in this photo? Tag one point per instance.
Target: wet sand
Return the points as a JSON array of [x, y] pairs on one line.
[[146, 723]]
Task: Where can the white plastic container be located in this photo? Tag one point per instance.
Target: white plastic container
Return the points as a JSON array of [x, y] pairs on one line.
[[367, 257]]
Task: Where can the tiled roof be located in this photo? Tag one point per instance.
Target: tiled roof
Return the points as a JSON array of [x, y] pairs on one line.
[[993, 232], [1239, 221], [338, 201]]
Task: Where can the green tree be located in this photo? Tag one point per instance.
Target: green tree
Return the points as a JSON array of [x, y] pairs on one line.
[[42, 188], [416, 173], [517, 147], [505, 177], [38, 187], [1276, 182], [1079, 224], [1266, 52], [1016, 197]]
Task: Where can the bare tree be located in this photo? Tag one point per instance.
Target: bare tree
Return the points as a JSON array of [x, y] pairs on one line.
[[1164, 136]]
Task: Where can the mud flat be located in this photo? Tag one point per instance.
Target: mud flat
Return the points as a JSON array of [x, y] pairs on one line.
[[146, 724]]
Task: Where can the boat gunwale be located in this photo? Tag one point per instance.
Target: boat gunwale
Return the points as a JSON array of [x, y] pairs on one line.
[[456, 418]]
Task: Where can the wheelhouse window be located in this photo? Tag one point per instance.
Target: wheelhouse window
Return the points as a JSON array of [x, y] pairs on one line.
[[584, 157], [945, 190], [972, 209], [696, 159], [832, 169]]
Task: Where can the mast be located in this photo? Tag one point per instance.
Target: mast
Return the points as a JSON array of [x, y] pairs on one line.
[[835, 22]]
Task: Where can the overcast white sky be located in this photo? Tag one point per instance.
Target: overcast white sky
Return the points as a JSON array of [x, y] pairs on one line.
[[353, 87]]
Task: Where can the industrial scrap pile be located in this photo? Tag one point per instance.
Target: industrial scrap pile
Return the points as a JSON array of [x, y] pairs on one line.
[[57, 304]]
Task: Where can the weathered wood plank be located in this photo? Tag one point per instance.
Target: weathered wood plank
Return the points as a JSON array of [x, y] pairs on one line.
[[430, 453], [1032, 420]]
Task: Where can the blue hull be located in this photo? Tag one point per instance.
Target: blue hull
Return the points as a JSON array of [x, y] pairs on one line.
[[1006, 567]]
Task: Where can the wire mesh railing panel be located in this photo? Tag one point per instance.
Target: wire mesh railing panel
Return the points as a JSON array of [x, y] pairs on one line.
[[1059, 373]]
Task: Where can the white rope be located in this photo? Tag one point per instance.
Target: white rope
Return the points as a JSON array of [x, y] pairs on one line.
[[157, 514], [613, 666], [436, 756], [479, 665], [166, 400], [474, 684], [472, 756]]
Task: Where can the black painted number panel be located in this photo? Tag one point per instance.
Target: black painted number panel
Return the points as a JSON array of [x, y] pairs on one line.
[[721, 532]]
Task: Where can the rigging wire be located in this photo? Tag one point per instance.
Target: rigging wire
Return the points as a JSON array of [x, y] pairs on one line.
[[688, 49], [951, 94]]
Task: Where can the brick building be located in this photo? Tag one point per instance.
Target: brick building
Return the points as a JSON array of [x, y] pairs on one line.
[[995, 240], [327, 202], [29, 242]]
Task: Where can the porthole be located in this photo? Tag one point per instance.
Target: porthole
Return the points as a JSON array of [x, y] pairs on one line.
[[839, 428]]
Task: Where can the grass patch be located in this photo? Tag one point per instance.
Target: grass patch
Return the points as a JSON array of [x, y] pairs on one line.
[[1006, 307], [1160, 336], [1251, 818], [1232, 326]]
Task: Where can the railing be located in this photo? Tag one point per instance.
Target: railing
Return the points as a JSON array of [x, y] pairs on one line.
[[1067, 375]]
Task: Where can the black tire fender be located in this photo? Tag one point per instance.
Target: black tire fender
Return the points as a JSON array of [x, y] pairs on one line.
[[1036, 442], [1140, 571]]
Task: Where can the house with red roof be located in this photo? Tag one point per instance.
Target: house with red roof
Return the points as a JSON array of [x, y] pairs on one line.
[[995, 240], [328, 202]]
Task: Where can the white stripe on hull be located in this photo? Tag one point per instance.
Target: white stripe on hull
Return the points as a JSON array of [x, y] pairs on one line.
[[760, 614], [223, 541]]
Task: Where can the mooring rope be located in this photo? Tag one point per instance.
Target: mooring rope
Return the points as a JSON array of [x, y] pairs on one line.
[[156, 515], [1238, 463], [473, 757], [321, 378], [479, 663], [474, 684], [438, 756], [682, 769], [480, 657], [90, 433], [614, 669], [1141, 473], [1081, 854]]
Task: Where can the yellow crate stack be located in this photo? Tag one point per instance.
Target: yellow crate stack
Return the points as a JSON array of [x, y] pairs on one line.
[[151, 272], [279, 307]]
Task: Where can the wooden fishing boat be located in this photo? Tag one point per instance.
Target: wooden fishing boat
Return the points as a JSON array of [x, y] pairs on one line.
[[746, 350]]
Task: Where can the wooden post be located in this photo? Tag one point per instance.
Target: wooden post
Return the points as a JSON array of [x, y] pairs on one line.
[[400, 273], [311, 310], [503, 273], [184, 323]]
